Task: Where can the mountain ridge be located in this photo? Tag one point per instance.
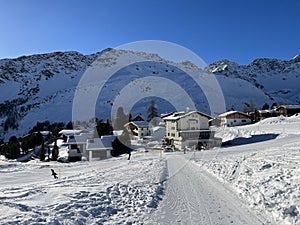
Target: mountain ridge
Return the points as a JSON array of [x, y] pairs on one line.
[[41, 87]]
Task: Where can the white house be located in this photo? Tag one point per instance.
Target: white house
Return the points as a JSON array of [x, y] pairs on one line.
[[234, 118], [99, 148], [139, 129], [77, 145], [189, 129]]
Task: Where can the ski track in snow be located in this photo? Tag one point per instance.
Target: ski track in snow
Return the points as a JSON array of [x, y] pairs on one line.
[[194, 197]]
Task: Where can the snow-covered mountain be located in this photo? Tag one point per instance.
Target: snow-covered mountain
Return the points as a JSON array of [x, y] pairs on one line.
[[277, 79], [41, 87]]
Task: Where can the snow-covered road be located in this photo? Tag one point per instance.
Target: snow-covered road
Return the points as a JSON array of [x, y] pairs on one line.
[[194, 197]]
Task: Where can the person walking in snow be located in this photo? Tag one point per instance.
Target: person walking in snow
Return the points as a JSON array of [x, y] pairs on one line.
[[54, 174]]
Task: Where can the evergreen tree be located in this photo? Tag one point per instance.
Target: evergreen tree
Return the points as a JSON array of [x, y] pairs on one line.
[[121, 145], [274, 105], [121, 119], [42, 151], [129, 117], [69, 126], [103, 128], [265, 106], [152, 111], [12, 148], [55, 151], [125, 138]]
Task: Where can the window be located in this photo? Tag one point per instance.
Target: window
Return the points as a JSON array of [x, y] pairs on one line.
[[74, 146], [172, 134], [244, 121]]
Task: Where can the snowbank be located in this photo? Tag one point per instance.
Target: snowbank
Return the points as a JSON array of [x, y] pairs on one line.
[[266, 175]]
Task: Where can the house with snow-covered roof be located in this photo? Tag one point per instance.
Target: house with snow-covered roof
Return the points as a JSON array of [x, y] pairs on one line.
[[99, 148], [266, 113], [139, 129], [234, 118], [77, 145], [288, 110], [189, 129]]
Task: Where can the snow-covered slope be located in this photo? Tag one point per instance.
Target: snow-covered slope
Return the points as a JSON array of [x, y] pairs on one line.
[[277, 79], [42, 87], [261, 166], [253, 183]]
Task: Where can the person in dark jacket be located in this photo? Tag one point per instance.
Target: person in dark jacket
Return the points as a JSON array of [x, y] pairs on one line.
[[54, 174]]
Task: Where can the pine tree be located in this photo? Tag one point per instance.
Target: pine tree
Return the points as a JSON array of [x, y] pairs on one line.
[[265, 106], [55, 151], [121, 119], [152, 111], [12, 148], [121, 145], [42, 151], [103, 128]]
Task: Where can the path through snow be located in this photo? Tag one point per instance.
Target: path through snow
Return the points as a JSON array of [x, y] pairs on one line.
[[194, 197]]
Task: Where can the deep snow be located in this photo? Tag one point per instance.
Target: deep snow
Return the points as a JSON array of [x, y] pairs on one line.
[[255, 183]]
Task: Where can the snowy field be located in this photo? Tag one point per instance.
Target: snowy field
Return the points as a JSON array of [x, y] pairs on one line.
[[115, 191], [254, 179], [265, 174]]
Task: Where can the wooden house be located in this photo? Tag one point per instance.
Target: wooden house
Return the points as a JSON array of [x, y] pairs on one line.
[[288, 110], [234, 118]]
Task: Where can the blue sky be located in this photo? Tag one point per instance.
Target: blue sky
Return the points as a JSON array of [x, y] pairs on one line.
[[213, 29]]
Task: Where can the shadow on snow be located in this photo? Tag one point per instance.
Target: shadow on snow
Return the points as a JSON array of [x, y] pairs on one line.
[[250, 140]]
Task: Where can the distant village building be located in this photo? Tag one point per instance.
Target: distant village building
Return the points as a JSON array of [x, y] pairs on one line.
[[138, 118], [139, 129], [99, 148], [263, 114], [288, 110], [189, 129], [77, 145], [234, 118]]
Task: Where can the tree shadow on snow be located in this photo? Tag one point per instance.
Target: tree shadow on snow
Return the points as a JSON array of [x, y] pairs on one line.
[[250, 140]]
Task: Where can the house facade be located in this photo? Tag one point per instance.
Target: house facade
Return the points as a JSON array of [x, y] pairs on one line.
[[288, 110], [189, 129], [234, 118], [139, 129], [263, 114], [77, 145], [99, 148]]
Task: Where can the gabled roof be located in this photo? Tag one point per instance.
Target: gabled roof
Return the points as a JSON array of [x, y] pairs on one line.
[[79, 139], [138, 118], [139, 124], [70, 132], [266, 111], [103, 143], [179, 115], [232, 112]]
